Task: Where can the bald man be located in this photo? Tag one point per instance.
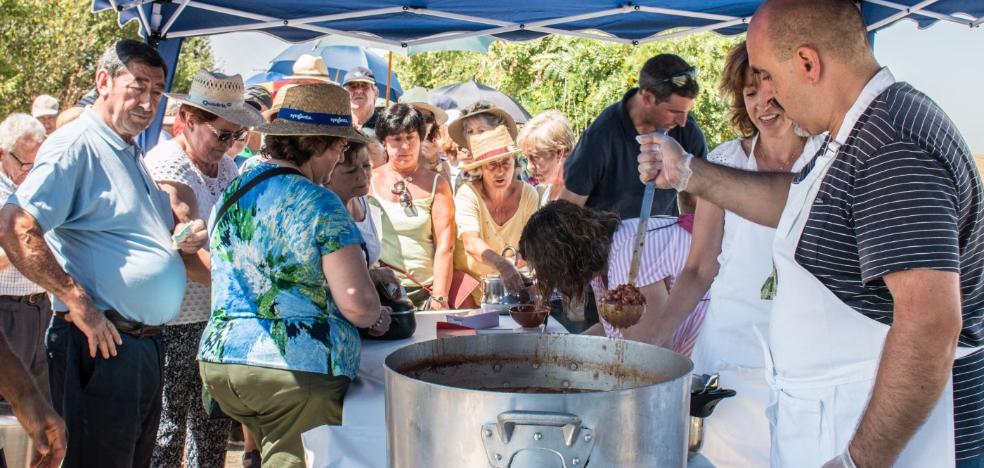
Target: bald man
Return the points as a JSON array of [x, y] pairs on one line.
[[878, 320]]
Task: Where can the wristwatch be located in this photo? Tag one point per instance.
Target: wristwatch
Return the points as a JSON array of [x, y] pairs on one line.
[[440, 299]]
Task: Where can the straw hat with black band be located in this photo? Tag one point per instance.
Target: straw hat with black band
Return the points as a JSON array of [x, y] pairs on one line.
[[220, 95], [417, 98], [491, 146], [456, 129], [313, 109]]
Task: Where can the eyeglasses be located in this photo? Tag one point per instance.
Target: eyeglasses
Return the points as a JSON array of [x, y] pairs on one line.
[[406, 200], [683, 78], [226, 136], [540, 157], [22, 165]]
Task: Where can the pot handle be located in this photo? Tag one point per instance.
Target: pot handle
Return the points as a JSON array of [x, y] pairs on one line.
[[516, 431], [570, 424]]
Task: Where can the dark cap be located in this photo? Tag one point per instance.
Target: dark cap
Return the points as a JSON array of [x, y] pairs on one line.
[[258, 97], [362, 74]]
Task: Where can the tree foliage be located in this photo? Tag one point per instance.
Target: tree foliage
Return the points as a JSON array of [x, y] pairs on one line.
[[576, 76], [52, 47]]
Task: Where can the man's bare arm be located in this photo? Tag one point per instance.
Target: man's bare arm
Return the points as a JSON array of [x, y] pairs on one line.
[[757, 196], [916, 363], [21, 237]]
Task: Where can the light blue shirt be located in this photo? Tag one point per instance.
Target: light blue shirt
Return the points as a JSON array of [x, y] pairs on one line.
[[106, 221]]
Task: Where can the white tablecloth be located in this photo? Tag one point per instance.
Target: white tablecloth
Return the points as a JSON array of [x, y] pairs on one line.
[[360, 442]]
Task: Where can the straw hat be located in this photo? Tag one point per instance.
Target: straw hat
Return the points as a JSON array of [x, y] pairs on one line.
[[417, 98], [490, 146], [456, 129], [221, 95], [310, 67], [313, 109]]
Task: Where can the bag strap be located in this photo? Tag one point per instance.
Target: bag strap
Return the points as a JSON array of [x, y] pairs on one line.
[[249, 185]]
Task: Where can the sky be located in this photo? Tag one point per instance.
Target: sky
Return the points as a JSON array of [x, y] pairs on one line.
[[945, 61]]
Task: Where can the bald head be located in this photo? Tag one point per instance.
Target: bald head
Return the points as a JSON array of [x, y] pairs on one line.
[[833, 28]]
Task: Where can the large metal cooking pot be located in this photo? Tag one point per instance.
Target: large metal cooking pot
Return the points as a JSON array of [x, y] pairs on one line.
[[477, 401]]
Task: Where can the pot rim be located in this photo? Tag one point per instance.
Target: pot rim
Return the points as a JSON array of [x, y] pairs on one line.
[[391, 372]]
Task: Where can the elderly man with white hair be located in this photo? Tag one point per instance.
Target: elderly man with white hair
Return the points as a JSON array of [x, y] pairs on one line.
[[24, 307]]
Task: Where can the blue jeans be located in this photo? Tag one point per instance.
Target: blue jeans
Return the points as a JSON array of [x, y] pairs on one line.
[[111, 406]]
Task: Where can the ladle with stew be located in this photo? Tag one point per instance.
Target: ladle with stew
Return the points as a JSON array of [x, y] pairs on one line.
[[623, 306]]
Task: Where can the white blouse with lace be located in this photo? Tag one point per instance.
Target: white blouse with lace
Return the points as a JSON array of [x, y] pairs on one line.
[[168, 162]]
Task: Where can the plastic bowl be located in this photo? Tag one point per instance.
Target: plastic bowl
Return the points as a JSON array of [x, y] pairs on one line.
[[528, 315]]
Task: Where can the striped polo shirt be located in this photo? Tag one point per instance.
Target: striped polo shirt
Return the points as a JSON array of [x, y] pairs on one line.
[[903, 193]]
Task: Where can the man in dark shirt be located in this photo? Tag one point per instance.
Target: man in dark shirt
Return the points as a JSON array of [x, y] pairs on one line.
[[601, 170], [880, 239]]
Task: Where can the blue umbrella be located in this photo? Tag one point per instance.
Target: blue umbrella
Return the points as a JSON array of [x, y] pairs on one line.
[[339, 59], [263, 78]]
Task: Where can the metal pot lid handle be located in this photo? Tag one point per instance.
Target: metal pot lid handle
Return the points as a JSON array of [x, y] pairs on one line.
[[516, 431]]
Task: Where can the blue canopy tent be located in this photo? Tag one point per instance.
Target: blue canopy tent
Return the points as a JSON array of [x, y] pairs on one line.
[[418, 22]]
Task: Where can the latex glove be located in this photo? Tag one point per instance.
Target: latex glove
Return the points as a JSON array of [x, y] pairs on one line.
[[841, 461], [663, 160]]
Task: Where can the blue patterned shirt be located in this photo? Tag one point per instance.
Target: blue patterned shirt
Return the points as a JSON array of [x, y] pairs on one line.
[[271, 306]]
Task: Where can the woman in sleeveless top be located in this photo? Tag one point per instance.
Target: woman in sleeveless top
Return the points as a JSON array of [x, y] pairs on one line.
[[416, 211], [546, 140], [738, 253]]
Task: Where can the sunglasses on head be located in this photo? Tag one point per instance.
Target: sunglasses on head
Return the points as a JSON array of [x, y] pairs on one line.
[[683, 78], [226, 136], [406, 200]]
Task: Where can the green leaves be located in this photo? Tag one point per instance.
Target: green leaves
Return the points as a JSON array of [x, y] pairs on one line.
[[576, 76], [52, 47]]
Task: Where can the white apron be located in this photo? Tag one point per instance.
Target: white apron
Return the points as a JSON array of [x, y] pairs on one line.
[[823, 357], [737, 434]]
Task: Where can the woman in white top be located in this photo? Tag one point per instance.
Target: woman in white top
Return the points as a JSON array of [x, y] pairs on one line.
[[350, 181], [194, 170], [546, 140], [736, 255]]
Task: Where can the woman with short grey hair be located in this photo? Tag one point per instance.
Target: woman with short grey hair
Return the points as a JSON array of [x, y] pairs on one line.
[[19, 126]]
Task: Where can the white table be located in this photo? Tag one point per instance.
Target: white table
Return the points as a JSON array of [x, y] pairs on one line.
[[360, 442]]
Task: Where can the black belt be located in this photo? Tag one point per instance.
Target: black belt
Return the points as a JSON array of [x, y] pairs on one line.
[[125, 325], [28, 299]]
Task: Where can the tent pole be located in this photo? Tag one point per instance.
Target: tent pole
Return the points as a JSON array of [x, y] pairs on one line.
[[389, 76]]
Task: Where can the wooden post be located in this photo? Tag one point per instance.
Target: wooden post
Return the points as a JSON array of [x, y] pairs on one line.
[[389, 75]]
